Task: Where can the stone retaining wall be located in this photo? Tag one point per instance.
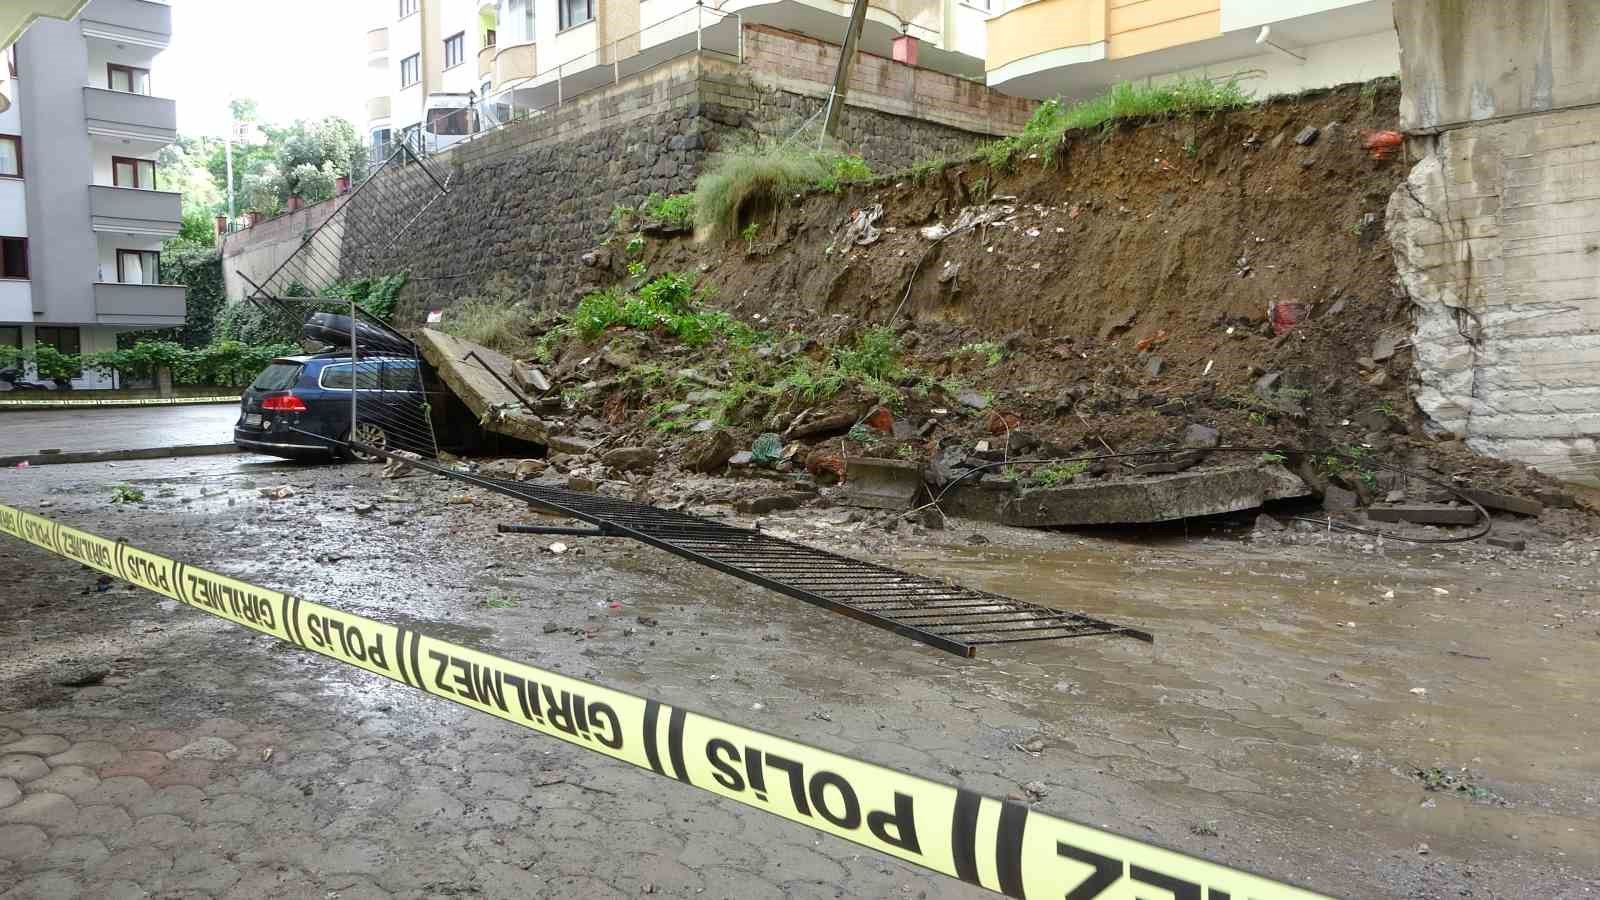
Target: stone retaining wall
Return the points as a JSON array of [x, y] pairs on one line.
[[528, 200]]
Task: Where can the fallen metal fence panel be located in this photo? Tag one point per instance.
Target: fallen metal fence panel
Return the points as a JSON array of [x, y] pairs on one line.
[[938, 613]]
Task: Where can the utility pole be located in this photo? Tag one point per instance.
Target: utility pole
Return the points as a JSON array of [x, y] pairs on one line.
[[227, 144], [841, 77]]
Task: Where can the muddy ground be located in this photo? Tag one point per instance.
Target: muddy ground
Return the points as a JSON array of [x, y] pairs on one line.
[[1288, 719]]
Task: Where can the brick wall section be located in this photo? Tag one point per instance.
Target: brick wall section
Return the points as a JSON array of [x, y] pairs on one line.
[[794, 63], [529, 199]]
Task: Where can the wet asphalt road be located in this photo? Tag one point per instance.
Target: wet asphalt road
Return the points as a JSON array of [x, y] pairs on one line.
[[116, 428]]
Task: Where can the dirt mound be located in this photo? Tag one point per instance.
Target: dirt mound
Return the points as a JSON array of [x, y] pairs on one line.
[[1229, 270]]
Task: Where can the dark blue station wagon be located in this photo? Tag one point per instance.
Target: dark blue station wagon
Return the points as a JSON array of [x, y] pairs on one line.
[[299, 406]]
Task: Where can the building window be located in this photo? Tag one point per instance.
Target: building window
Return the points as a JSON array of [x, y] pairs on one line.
[[11, 155], [13, 257], [133, 173], [64, 340], [515, 18], [411, 70], [407, 7], [576, 12], [483, 90], [455, 49], [489, 38], [10, 336], [138, 267], [128, 79]]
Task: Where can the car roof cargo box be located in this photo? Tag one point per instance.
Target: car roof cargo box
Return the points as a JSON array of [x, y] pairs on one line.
[[334, 330]]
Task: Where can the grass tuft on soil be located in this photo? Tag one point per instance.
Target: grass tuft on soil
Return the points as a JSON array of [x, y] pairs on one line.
[[1054, 118], [495, 319], [752, 174]]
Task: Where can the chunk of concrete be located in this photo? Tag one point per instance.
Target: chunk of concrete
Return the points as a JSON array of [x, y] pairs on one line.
[[1508, 543], [1505, 502], [566, 443], [771, 503], [469, 371], [880, 483], [1162, 498], [1424, 514], [631, 459]]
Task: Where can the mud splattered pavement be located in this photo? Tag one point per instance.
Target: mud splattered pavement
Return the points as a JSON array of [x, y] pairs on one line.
[[1368, 722]]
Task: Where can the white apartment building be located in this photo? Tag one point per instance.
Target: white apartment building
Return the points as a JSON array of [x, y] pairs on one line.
[[533, 53], [82, 213]]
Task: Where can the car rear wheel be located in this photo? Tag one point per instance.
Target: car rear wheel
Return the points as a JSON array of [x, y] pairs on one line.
[[368, 434]]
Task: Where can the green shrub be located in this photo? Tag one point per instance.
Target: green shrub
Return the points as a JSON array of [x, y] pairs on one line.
[[377, 296], [666, 302], [875, 355], [677, 209], [845, 169]]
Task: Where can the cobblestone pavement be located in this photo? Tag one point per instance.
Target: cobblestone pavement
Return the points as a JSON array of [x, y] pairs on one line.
[[147, 750]]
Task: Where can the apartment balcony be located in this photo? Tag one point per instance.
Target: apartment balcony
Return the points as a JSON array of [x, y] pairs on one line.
[[141, 22], [377, 44], [378, 109], [514, 62], [486, 61], [135, 117], [1074, 48], [886, 20], [157, 305], [134, 211]]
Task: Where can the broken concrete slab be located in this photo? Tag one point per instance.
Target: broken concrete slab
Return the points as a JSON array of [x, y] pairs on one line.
[[1424, 514], [1507, 543], [470, 371], [880, 483], [1505, 502], [1161, 498]]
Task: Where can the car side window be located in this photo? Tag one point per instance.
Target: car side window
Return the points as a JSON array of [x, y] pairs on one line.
[[401, 376], [337, 377]]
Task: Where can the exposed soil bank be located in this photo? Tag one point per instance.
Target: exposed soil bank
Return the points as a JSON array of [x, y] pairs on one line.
[[1112, 296]]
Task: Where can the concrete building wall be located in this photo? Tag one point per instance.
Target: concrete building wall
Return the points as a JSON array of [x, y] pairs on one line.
[[61, 247], [1466, 61], [258, 252], [1497, 229]]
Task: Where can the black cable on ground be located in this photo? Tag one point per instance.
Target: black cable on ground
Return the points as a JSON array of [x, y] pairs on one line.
[[1486, 526]]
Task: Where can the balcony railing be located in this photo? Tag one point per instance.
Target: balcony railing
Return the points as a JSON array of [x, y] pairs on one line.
[[128, 21], [135, 211], [121, 114], [139, 304]]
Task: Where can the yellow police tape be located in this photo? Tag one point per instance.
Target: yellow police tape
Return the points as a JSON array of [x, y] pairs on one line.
[[999, 845]]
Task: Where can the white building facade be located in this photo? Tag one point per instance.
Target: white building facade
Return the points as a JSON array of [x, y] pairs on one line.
[[82, 211]]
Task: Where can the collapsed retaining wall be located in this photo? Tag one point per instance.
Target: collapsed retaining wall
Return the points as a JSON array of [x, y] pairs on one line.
[[528, 200], [1496, 232]]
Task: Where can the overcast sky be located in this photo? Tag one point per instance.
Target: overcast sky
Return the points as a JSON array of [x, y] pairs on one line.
[[299, 59]]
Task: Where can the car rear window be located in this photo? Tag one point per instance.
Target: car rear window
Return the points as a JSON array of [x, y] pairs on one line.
[[277, 377]]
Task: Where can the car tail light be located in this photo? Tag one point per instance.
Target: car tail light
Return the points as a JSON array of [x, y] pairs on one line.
[[283, 403]]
